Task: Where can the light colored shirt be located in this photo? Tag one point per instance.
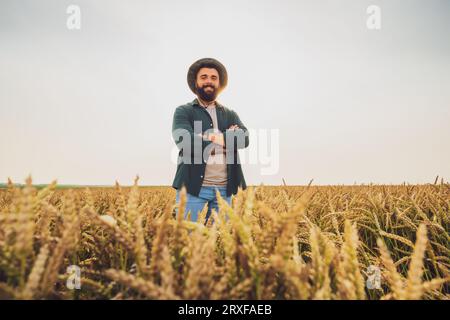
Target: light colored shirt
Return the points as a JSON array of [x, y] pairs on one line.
[[216, 167]]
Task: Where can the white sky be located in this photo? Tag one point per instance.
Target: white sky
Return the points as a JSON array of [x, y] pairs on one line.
[[94, 105]]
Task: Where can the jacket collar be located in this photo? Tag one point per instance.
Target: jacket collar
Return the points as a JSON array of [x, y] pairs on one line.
[[195, 102]]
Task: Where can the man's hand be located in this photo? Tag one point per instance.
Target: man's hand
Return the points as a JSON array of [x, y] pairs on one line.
[[217, 138]]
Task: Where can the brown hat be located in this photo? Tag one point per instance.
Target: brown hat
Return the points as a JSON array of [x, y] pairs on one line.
[[207, 63]]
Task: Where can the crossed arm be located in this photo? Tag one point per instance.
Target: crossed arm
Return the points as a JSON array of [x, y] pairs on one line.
[[237, 133]]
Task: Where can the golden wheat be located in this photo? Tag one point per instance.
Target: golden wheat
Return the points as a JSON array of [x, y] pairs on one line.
[[282, 242]]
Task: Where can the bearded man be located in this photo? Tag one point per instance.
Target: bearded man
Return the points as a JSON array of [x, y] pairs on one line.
[[209, 136]]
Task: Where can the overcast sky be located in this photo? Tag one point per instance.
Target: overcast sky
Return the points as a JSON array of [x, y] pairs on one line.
[[350, 104]]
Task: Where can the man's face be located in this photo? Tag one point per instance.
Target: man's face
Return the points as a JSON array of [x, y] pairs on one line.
[[207, 84]]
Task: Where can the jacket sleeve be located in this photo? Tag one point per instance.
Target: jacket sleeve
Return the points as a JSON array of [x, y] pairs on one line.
[[183, 128], [240, 137]]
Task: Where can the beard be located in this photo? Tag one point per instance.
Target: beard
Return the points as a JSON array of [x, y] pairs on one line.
[[209, 95]]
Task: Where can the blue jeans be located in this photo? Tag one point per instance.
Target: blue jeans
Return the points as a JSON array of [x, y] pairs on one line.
[[207, 195]]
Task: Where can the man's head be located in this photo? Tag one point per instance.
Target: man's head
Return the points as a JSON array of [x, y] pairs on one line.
[[207, 77], [207, 84]]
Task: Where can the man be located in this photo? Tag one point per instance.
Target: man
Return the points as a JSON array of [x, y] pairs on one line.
[[208, 135]]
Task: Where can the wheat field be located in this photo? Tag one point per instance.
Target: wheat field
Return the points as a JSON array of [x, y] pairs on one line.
[[273, 242]]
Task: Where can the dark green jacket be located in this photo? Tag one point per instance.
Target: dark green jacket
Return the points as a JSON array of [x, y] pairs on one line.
[[191, 173]]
